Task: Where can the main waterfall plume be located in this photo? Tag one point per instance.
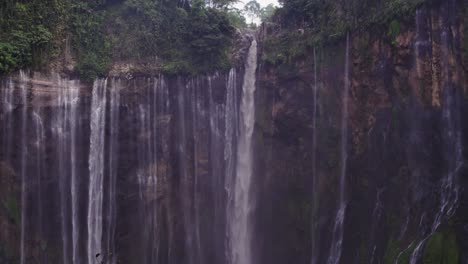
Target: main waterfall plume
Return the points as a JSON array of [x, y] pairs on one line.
[[96, 170], [240, 223]]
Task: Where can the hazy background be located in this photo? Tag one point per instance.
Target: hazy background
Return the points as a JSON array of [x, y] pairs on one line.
[[262, 3]]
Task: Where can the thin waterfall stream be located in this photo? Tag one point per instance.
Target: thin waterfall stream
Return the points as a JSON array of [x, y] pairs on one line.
[[314, 257], [24, 150], [338, 229], [452, 146]]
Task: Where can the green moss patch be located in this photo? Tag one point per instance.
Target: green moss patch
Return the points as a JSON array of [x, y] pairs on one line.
[[441, 248]]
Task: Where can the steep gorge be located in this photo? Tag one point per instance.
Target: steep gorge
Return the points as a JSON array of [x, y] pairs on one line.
[[354, 153]]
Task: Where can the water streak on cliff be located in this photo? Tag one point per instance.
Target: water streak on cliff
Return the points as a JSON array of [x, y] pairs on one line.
[[24, 150], [337, 236], [314, 252]]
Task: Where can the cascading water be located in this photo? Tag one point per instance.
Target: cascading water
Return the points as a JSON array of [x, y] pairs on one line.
[[147, 115], [230, 136], [65, 129], [240, 224], [376, 215], [85, 209], [39, 168], [184, 173], [197, 116], [452, 150], [73, 94], [314, 257], [96, 169], [337, 236], [24, 152], [217, 140], [111, 214], [7, 108]]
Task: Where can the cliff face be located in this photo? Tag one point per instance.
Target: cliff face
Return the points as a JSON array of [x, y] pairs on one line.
[[141, 169], [405, 163], [132, 170]]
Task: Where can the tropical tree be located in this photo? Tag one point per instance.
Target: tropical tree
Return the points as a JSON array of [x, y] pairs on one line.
[[267, 12], [222, 4], [252, 10], [237, 18]]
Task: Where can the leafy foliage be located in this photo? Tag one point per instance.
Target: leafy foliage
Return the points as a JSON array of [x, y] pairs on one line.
[[177, 36], [182, 40], [236, 18], [267, 12], [89, 42], [325, 22], [441, 248], [252, 9], [26, 32]]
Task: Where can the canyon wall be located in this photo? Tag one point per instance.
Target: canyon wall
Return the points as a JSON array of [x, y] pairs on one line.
[[359, 156]]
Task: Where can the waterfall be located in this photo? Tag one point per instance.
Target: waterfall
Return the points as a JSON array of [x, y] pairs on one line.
[[39, 168], [64, 127], [7, 108], [96, 169], [152, 159], [182, 151], [24, 153], [218, 176], [240, 223], [73, 96], [111, 214], [196, 111], [314, 257], [376, 215], [230, 136], [449, 188], [452, 147], [337, 238], [148, 136]]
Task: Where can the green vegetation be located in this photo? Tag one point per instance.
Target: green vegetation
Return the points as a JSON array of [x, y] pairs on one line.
[[27, 30], [394, 251], [394, 30], [315, 23], [441, 248], [180, 39], [89, 42], [391, 252], [405, 257], [237, 18], [267, 12], [173, 36], [12, 209], [6, 257]]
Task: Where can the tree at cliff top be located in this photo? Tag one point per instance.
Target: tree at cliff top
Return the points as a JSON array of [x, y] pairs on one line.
[[325, 22], [27, 31], [252, 10], [267, 12], [174, 35]]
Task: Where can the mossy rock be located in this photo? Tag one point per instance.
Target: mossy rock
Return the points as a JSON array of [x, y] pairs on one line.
[[405, 256], [391, 251], [441, 248], [12, 209]]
